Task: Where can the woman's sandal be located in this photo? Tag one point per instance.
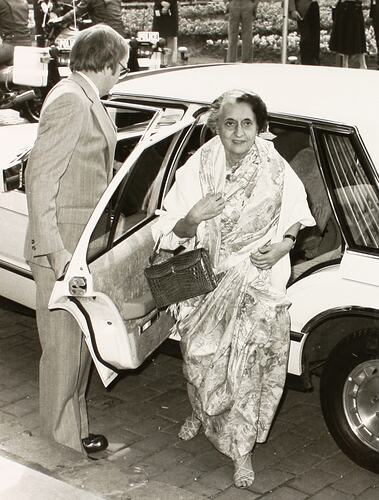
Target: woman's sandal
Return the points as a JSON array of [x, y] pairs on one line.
[[243, 476], [190, 428]]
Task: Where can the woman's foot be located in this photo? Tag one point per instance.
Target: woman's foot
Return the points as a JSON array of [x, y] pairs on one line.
[[243, 472], [190, 428]]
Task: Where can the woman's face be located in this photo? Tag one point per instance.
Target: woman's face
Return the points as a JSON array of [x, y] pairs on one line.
[[237, 128]]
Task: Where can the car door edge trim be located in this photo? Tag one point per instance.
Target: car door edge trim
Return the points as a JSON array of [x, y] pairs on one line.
[[92, 334], [296, 336]]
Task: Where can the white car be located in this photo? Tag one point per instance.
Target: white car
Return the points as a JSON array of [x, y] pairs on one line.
[[324, 122]]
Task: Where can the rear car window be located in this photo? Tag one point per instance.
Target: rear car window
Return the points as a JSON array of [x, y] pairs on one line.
[[355, 188]]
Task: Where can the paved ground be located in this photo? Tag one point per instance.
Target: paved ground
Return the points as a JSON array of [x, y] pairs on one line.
[[141, 415]]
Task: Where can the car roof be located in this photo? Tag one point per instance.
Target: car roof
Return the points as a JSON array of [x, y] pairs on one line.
[[346, 96]]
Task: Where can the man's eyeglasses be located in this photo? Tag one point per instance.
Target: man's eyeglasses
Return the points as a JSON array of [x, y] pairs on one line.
[[124, 70]]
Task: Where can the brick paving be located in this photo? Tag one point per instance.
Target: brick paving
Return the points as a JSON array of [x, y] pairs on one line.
[[141, 415]]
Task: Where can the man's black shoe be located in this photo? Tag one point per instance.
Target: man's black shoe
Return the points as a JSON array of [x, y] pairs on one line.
[[94, 443]]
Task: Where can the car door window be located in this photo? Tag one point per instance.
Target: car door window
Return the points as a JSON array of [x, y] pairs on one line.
[[135, 200], [354, 187], [128, 120]]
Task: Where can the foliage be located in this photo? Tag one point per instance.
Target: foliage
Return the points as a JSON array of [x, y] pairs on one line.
[[208, 20]]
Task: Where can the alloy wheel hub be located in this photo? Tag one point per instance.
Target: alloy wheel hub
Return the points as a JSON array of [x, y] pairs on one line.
[[361, 402]]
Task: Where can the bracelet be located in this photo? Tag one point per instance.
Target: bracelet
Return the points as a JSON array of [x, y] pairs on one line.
[[291, 237]]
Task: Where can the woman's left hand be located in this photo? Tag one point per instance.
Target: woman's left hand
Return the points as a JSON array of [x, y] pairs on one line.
[[268, 255]]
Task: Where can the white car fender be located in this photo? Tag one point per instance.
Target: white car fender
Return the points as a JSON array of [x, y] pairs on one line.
[[322, 291]]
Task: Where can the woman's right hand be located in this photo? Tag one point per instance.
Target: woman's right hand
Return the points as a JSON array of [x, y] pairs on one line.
[[207, 208]]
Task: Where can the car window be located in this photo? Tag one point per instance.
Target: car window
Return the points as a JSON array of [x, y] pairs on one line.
[[135, 200], [193, 138], [129, 120], [355, 189], [322, 242]]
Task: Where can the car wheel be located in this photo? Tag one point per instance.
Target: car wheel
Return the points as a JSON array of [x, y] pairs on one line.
[[349, 393]]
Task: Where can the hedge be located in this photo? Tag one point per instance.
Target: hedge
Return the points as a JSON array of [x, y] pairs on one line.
[[207, 20]]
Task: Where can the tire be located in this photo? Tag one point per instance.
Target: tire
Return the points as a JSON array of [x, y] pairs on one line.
[[349, 392]]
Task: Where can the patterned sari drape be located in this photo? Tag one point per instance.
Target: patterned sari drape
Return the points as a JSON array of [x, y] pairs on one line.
[[235, 339]]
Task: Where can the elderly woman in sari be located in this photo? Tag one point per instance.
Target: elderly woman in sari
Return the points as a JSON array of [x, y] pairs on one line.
[[242, 201]]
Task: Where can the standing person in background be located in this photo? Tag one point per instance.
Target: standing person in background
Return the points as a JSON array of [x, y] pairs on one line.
[[69, 168], [241, 12], [107, 12], [166, 22], [374, 15], [348, 36], [100, 11], [307, 15], [14, 28]]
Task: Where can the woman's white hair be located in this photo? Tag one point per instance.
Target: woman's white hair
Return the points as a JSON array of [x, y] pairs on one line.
[[257, 105]]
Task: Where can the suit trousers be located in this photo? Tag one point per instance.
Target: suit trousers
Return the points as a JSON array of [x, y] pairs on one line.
[[240, 12], [172, 44], [309, 29], [64, 368]]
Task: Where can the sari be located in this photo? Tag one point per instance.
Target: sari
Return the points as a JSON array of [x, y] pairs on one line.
[[235, 340]]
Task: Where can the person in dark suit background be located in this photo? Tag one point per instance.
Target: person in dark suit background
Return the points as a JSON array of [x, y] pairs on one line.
[[68, 170], [307, 15], [107, 12], [14, 29], [166, 22]]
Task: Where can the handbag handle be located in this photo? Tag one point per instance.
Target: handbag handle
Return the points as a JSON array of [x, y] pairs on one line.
[[156, 248]]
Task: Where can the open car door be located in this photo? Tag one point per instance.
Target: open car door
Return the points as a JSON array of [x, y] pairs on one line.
[[104, 287]]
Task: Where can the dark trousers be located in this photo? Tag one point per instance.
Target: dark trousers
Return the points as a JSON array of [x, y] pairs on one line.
[[7, 49], [309, 29], [240, 12]]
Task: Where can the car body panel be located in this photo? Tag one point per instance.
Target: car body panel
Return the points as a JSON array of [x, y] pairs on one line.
[[341, 294]]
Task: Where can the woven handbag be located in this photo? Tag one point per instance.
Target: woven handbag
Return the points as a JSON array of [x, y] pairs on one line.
[[181, 277]]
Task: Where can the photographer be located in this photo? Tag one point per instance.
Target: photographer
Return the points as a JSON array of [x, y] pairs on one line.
[[100, 11], [107, 12]]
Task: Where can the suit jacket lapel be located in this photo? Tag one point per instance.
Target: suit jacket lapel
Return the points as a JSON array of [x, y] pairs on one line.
[[101, 115]]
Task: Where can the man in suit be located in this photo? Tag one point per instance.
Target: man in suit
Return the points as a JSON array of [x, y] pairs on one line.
[[68, 170], [241, 12], [307, 15]]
